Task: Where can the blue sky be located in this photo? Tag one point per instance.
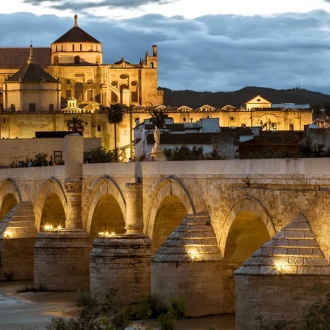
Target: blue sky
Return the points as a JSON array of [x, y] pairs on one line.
[[203, 45]]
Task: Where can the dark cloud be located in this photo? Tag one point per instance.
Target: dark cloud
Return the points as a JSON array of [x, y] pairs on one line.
[[84, 6], [211, 53]]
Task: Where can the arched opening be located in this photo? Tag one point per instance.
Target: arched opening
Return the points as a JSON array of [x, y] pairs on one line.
[[78, 91], [114, 97], [169, 215], [8, 203], [56, 60], [246, 235], [53, 212], [107, 216]]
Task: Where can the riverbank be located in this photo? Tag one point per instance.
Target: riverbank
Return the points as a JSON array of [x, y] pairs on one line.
[[34, 310]]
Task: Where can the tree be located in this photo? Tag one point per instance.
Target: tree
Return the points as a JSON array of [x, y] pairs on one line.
[[158, 118], [75, 125], [115, 115]]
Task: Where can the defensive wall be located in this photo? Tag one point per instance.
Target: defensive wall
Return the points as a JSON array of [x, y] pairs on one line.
[[169, 228]]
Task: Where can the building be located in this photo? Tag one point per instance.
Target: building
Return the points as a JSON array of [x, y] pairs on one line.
[[204, 133], [75, 61], [43, 88]]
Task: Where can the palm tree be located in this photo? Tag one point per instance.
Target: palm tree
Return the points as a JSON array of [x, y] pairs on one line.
[[115, 116], [75, 125], [158, 118]]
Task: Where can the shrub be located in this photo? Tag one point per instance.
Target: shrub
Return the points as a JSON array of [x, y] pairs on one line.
[[177, 311], [268, 324], [317, 315]]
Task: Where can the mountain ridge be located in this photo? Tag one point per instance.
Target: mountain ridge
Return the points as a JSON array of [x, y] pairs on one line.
[[238, 98]]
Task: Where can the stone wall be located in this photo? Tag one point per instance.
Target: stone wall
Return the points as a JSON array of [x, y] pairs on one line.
[[199, 283], [61, 261], [121, 262], [15, 150], [281, 297]]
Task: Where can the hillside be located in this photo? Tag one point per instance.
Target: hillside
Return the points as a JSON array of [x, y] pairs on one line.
[[237, 98]]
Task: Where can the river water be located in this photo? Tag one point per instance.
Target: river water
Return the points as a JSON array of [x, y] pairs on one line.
[[33, 310]]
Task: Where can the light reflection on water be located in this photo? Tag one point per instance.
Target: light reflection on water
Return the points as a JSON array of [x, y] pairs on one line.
[[6, 300]]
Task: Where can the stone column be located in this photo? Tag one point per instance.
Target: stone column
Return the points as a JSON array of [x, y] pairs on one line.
[[134, 212], [74, 157]]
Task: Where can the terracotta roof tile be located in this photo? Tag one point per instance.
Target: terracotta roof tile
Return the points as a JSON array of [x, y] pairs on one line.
[[76, 34], [15, 58], [32, 73]]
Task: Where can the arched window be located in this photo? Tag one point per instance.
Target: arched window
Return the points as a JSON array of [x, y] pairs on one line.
[[77, 59], [291, 127], [55, 59], [78, 91]]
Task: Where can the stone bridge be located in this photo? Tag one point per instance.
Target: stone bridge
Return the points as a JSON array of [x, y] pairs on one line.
[[169, 228]]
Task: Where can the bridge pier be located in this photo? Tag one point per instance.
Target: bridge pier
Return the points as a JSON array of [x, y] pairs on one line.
[[61, 260], [188, 265], [123, 261], [61, 256], [281, 278], [17, 238]]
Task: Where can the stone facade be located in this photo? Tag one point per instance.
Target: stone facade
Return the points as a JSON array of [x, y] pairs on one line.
[[76, 61]]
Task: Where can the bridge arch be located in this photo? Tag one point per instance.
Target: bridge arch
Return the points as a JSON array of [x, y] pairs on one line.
[[106, 196], [247, 226], [51, 194], [242, 205], [170, 198], [9, 197]]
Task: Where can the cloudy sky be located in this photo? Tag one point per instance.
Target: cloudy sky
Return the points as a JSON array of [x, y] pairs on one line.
[[203, 45]]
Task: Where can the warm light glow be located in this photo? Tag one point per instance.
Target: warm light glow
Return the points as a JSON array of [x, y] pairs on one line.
[[59, 227], [280, 266], [106, 234], [193, 254], [48, 227], [7, 234]]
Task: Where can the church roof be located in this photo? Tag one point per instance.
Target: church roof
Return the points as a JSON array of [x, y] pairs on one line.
[[32, 72], [15, 57], [76, 34]]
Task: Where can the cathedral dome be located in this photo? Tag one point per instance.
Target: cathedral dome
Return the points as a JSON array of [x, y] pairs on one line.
[[76, 34]]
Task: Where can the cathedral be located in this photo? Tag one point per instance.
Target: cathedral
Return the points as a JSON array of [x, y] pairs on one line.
[[43, 79]]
